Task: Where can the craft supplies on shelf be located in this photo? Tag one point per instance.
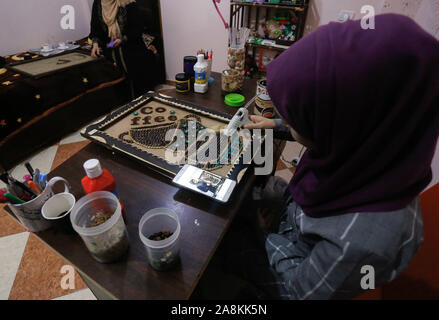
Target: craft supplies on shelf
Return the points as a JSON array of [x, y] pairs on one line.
[[236, 58], [238, 37], [263, 104], [273, 25], [236, 51], [265, 56]]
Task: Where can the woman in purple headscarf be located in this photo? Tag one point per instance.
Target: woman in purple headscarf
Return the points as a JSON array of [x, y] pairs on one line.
[[366, 105]]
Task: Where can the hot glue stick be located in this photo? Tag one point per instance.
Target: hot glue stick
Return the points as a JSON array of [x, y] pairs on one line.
[[99, 179]]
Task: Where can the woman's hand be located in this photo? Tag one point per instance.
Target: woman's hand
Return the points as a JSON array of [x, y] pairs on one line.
[[260, 123], [117, 43], [95, 51]]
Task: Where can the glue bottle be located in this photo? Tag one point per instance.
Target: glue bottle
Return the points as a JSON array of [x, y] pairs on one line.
[[200, 69], [99, 179]]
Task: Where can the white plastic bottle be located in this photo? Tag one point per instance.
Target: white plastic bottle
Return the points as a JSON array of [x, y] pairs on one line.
[[200, 69]]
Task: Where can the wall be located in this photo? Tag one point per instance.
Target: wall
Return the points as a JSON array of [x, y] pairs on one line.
[[425, 12], [191, 25], [322, 12], [28, 24]]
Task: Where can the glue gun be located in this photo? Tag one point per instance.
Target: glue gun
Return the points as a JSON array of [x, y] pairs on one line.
[[238, 120]]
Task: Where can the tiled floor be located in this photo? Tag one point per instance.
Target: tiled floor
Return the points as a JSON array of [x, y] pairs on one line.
[[28, 268]]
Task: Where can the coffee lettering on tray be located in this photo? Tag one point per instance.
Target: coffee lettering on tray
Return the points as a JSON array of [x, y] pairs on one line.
[[146, 110], [147, 120], [160, 110], [159, 119], [172, 118], [135, 121]]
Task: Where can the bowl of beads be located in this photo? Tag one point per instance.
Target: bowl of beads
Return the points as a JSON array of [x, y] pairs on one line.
[[159, 231]]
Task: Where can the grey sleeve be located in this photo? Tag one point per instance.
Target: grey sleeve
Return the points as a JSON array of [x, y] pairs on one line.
[[281, 131]]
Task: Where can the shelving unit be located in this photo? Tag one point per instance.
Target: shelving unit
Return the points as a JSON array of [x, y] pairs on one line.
[[248, 14]]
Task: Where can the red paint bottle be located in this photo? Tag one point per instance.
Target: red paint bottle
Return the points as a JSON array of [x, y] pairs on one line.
[[99, 179]]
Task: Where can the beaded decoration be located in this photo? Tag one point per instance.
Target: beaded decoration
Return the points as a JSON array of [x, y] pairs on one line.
[[154, 137]]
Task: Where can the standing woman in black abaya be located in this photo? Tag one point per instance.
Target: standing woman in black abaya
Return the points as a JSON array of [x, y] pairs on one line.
[[119, 32]]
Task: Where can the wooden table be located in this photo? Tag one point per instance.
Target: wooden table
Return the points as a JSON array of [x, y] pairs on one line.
[[203, 223], [213, 99]]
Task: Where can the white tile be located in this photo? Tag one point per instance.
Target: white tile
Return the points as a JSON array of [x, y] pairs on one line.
[[75, 137], [286, 174], [85, 294], [11, 252], [292, 150], [43, 161]]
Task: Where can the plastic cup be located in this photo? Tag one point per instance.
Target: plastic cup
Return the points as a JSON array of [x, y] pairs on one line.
[[162, 254], [58, 206], [57, 209], [107, 242]]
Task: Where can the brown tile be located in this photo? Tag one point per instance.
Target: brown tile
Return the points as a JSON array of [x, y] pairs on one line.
[[293, 169], [8, 225], [39, 276], [280, 165], [65, 151]]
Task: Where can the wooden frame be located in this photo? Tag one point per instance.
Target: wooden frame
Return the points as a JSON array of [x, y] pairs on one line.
[[98, 132]]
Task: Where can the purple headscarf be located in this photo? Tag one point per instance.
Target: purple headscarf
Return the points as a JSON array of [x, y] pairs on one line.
[[369, 102]]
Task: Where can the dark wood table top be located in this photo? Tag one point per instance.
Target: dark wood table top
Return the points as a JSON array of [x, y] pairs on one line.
[[203, 224], [203, 221], [213, 98]]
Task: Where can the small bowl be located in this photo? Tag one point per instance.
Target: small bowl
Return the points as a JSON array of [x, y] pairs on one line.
[[57, 210], [58, 206]]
